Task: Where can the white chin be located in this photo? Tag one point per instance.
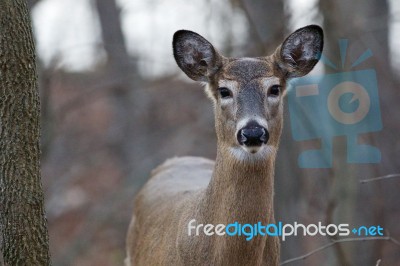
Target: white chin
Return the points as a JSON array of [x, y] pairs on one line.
[[252, 153], [253, 149]]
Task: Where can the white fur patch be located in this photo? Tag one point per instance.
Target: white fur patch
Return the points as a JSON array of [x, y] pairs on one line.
[[230, 84], [243, 153]]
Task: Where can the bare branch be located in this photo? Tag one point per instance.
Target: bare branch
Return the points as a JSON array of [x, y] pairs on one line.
[[379, 178], [343, 240]]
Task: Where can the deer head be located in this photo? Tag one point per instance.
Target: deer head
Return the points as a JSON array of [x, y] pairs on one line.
[[247, 92]]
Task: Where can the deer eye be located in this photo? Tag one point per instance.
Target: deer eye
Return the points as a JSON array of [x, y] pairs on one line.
[[225, 92], [274, 91]]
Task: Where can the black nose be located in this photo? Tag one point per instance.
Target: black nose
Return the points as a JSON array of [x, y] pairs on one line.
[[253, 135]]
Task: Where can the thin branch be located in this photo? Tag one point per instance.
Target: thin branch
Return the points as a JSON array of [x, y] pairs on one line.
[[332, 204], [334, 242], [379, 178]]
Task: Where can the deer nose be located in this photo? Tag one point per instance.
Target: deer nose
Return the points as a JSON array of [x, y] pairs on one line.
[[253, 135]]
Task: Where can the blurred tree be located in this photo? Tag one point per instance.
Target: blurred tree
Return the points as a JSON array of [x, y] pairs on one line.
[[120, 71], [266, 20], [22, 217], [365, 24], [118, 58], [32, 3]]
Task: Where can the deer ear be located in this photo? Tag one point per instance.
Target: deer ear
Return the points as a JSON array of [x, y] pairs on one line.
[[300, 52], [195, 55]]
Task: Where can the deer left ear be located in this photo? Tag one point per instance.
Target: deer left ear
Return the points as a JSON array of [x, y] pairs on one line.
[[195, 55], [300, 52]]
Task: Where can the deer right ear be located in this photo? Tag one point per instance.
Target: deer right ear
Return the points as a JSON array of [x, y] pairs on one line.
[[299, 53], [195, 55]]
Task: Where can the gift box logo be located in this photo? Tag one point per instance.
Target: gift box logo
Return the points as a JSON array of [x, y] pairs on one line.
[[339, 104]]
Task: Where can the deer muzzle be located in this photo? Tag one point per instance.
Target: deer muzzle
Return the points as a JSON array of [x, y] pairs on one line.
[[253, 135]]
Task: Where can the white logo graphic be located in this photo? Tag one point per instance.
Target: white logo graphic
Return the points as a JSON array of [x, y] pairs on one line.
[[359, 93]]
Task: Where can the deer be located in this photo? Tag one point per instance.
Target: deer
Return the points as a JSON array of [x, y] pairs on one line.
[[247, 95]]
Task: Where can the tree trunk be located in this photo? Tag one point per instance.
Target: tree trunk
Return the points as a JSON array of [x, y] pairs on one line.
[[23, 225], [365, 25], [119, 69], [267, 27], [113, 38]]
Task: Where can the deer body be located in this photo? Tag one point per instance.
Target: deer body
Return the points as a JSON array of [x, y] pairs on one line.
[[238, 187]]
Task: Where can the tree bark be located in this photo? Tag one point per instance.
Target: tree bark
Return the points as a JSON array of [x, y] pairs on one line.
[[23, 225]]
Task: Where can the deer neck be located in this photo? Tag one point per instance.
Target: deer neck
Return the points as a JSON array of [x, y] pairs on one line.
[[240, 191]]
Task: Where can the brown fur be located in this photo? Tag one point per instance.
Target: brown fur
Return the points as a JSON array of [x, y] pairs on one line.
[[238, 187]]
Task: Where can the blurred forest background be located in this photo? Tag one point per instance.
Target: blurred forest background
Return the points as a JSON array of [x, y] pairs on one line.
[[115, 105]]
